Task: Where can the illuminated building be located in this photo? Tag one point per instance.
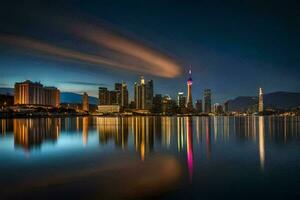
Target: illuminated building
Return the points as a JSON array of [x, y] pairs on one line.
[[51, 96], [30, 93], [85, 102], [218, 109], [261, 100], [168, 105], [118, 89], [207, 101], [181, 100], [189, 102], [119, 96], [226, 106], [124, 95], [103, 96], [143, 94], [198, 106]]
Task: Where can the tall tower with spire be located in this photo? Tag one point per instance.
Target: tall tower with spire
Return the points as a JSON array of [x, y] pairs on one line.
[[261, 100], [189, 102]]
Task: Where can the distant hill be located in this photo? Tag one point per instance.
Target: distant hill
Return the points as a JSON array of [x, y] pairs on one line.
[[278, 100], [241, 104], [65, 97]]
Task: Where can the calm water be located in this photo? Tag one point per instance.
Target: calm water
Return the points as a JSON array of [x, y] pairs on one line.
[[150, 157]]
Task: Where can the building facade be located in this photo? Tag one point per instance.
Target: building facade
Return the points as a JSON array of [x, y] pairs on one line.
[[103, 96], [198, 106], [226, 106], [181, 100], [34, 93], [143, 94], [85, 102], [207, 100], [119, 96], [124, 96], [157, 103]]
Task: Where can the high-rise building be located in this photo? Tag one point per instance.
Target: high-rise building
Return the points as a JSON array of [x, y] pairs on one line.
[[118, 89], [261, 100], [226, 106], [143, 94], [119, 96], [118, 86], [157, 103], [189, 102], [218, 109], [85, 102], [168, 105], [181, 100], [149, 94], [30, 93], [198, 106], [124, 95], [207, 100], [113, 97], [103, 96]]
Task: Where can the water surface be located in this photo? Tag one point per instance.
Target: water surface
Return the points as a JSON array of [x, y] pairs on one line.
[[150, 157]]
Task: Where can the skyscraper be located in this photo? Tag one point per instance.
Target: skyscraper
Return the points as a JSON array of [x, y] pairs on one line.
[[118, 89], [207, 100], [261, 100], [113, 97], [124, 95], [181, 100], [198, 106], [85, 102], [157, 103], [103, 96], [189, 102], [218, 109], [226, 106], [143, 94]]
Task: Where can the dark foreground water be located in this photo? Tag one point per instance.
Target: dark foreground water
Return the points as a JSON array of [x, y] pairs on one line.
[[150, 157]]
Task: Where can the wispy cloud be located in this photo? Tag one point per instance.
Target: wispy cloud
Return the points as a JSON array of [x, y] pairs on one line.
[[114, 50], [126, 49]]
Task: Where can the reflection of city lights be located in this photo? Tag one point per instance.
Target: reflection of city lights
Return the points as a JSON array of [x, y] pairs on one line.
[[261, 142], [189, 146], [180, 133], [85, 130], [29, 133], [207, 132]]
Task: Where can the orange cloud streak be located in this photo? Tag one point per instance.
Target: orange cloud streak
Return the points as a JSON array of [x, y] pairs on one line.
[[153, 60], [72, 55]]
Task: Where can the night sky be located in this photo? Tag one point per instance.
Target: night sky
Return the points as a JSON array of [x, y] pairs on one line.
[[233, 48]]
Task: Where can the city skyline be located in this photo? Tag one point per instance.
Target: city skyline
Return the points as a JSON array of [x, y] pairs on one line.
[[149, 99], [221, 54]]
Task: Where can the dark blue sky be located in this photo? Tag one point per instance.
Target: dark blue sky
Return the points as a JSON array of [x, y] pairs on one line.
[[233, 47]]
